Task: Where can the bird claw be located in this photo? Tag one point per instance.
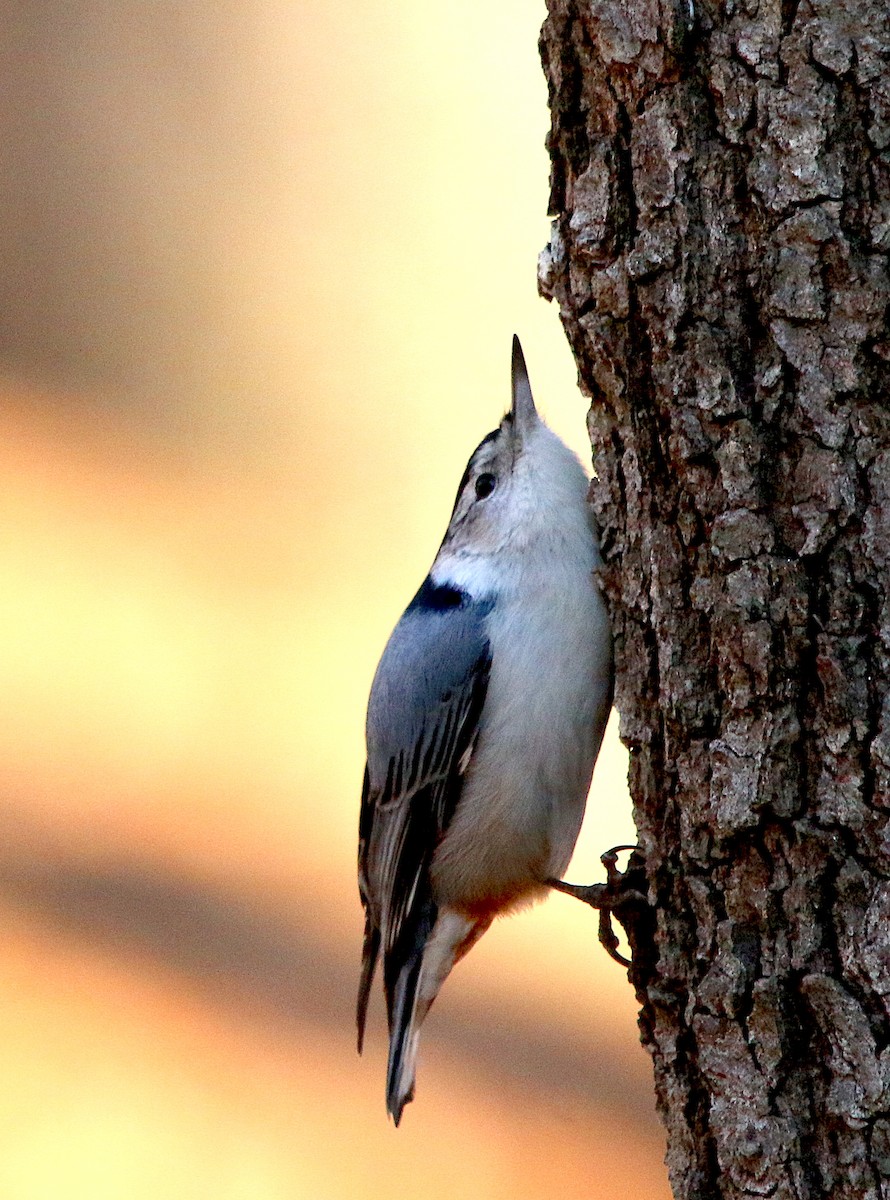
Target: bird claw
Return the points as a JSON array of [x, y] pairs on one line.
[[617, 895]]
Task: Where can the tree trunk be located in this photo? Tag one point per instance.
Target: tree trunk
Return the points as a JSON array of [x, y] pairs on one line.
[[721, 189]]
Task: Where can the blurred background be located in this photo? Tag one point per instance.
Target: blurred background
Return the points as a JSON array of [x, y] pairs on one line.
[[260, 263]]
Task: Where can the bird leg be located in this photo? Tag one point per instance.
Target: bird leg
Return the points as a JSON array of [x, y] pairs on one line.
[[623, 894]]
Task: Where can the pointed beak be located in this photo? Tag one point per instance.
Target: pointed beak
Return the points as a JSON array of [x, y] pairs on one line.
[[524, 412]]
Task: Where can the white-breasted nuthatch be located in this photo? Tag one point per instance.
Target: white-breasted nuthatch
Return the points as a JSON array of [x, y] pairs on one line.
[[485, 719]]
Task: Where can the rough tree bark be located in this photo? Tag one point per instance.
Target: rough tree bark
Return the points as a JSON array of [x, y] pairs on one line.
[[721, 257]]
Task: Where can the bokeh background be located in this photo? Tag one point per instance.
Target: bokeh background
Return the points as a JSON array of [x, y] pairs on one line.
[[260, 263]]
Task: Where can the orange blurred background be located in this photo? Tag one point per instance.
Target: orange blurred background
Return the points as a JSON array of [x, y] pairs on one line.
[[260, 263]]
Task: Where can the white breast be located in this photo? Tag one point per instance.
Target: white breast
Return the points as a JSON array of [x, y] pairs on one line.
[[546, 708]]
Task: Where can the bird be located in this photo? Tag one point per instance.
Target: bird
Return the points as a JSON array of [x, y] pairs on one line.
[[485, 718]]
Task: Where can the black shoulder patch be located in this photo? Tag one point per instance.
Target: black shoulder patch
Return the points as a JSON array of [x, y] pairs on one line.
[[437, 597]]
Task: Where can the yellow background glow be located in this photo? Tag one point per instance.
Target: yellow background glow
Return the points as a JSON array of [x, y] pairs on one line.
[[260, 264]]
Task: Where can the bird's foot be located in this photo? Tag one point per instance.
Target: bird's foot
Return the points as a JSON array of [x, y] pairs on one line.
[[623, 893]]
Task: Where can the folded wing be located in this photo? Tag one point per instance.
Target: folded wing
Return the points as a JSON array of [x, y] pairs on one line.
[[423, 719]]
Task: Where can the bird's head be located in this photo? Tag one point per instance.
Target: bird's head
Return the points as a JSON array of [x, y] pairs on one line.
[[520, 486]]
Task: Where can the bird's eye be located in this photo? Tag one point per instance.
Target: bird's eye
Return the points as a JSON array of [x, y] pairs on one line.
[[485, 485]]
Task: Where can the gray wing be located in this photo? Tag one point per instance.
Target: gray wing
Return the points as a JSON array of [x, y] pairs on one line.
[[423, 716]]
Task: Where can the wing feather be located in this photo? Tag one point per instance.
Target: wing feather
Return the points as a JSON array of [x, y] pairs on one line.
[[423, 719]]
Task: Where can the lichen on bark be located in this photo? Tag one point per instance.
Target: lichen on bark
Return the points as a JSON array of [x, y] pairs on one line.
[[721, 258]]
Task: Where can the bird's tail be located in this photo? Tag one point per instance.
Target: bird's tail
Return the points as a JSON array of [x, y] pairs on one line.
[[404, 1020], [405, 1008], [403, 1037], [442, 937]]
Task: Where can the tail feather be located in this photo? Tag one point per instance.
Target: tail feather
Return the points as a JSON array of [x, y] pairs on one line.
[[403, 1038], [440, 939], [401, 979], [370, 951]]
